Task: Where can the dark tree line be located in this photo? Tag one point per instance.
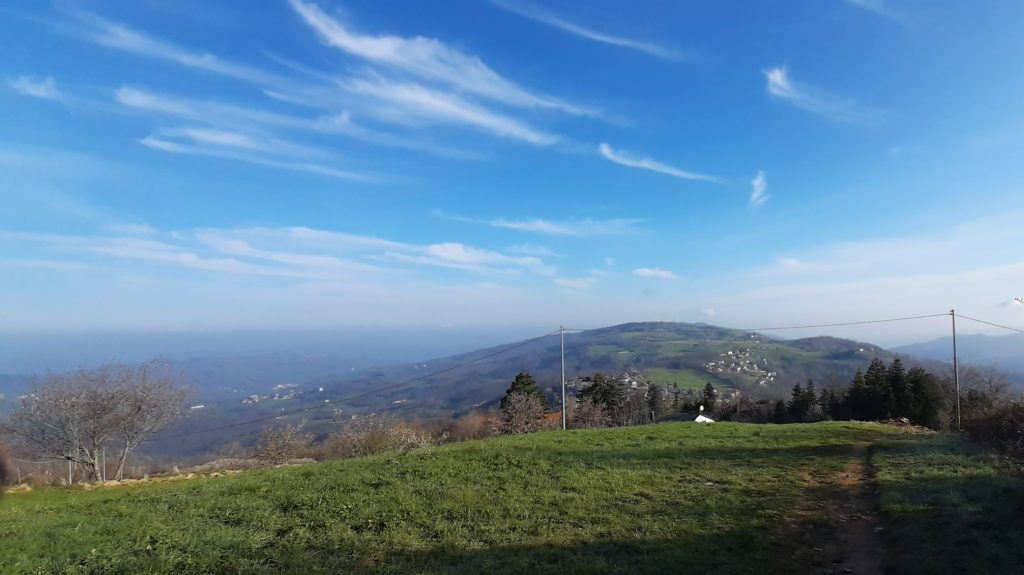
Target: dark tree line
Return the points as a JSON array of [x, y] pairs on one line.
[[880, 392]]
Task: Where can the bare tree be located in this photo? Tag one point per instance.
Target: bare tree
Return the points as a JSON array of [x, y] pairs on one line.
[[76, 416], [376, 433], [590, 414], [150, 399], [521, 413], [280, 443], [983, 389]]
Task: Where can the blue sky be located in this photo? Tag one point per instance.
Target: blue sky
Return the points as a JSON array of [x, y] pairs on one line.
[[179, 165]]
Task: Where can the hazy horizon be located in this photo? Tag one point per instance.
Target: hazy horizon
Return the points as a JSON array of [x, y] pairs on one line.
[[22, 354]]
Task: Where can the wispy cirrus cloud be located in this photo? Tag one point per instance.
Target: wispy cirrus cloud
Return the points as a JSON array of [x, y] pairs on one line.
[[428, 59], [411, 102], [759, 190], [656, 273], [585, 227], [233, 152], [644, 163], [817, 101], [120, 37], [880, 7], [538, 14], [294, 252], [45, 88]]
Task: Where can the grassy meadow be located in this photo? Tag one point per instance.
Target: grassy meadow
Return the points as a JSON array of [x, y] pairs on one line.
[[670, 498]]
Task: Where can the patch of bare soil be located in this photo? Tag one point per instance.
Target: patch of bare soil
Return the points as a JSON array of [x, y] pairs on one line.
[[835, 530]]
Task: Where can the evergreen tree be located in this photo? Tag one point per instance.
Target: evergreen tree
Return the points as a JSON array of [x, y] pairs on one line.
[[876, 381], [655, 400], [524, 383], [899, 395], [858, 397], [780, 413], [797, 403], [926, 397], [810, 402], [709, 395], [831, 402], [606, 392]]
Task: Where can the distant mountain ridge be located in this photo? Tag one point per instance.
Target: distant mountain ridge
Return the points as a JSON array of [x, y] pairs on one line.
[[681, 354], [1005, 352]]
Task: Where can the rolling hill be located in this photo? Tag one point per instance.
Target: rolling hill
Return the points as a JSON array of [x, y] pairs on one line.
[[687, 355]]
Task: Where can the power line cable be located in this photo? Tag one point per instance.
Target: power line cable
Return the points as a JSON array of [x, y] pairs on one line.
[[779, 328], [333, 402], [848, 323], [991, 324]]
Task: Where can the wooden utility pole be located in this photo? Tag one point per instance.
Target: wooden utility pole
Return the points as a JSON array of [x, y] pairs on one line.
[[561, 333], [956, 370]]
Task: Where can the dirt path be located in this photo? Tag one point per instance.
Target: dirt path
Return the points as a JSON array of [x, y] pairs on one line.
[[836, 530], [858, 525]]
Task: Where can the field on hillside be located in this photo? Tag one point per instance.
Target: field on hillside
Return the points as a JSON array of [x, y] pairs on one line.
[[684, 378], [670, 498]]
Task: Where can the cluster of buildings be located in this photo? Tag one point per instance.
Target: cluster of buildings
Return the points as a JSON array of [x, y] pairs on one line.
[[280, 392], [742, 361]]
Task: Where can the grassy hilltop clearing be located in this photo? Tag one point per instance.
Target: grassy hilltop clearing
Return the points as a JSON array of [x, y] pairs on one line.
[[669, 498]]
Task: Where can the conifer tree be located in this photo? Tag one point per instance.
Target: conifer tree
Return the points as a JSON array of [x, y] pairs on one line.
[[899, 399], [524, 383], [779, 413], [810, 395], [797, 403], [710, 394], [876, 380], [857, 397]]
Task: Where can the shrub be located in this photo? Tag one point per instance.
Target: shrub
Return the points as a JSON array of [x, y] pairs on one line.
[[373, 434], [521, 413], [281, 443], [1002, 428], [590, 414], [473, 425]]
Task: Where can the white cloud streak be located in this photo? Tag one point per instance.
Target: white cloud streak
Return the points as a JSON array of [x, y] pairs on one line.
[[820, 102], [44, 88], [410, 102], [228, 152], [586, 227], [296, 252], [120, 37], [759, 190], [538, 14], [581, 228], [879, 7], [429, 59], [645, 163], [656, 273]]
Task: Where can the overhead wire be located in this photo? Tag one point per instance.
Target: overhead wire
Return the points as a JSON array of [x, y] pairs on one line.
[[991, 324]]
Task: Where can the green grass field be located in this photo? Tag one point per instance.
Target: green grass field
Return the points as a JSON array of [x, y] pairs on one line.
[[669, 498], [684, 378]]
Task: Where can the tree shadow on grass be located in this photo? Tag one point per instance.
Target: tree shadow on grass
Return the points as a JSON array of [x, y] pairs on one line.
[[731, 552], [952, 520]]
